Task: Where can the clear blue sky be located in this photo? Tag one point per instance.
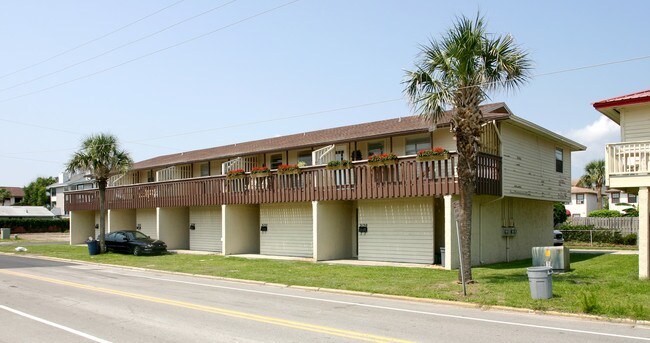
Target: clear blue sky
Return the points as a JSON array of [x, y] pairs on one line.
[[307, 57]]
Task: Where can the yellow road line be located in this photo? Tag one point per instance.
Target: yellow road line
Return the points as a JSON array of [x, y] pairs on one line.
[[216, 310]]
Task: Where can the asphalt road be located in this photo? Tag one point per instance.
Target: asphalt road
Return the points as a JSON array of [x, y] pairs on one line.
[[67, 302]]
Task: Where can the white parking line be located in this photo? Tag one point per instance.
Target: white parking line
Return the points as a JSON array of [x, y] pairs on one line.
[[476, 319], [58, 326]]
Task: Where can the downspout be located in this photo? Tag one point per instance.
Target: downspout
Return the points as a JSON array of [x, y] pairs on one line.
[[480, 206]]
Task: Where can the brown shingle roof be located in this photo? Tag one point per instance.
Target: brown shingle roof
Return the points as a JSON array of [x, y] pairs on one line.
[[402, 125], [15, 191]]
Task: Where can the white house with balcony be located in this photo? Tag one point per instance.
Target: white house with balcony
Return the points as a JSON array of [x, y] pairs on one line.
[[627, 163]]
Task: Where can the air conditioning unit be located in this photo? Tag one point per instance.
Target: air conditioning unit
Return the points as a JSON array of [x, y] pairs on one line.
[[554, 257]]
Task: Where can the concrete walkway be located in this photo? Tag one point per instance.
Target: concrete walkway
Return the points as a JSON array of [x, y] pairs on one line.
[[603, 252]]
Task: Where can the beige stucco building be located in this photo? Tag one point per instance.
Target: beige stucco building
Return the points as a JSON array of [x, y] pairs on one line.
[[627, 163], [399, 212]]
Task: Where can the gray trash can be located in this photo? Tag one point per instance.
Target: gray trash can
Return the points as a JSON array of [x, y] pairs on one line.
[[5, 233], [442, 257], [541, 282]]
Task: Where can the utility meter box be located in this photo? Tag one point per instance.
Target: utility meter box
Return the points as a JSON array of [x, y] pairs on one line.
[[554, 257]]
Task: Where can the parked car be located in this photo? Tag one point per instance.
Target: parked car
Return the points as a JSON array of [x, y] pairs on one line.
[[134, 242], [558, 238]]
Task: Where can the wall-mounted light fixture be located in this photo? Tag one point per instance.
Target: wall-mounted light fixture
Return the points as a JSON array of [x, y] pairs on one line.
[[363, 228], [138, 227], [264, 227], [96, 226], [192, 226]]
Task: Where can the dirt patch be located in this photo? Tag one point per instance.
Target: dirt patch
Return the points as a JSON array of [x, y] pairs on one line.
[[44, 237]]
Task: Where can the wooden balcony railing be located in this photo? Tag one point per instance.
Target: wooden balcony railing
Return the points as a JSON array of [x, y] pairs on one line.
[[407, 178], [629, 158]]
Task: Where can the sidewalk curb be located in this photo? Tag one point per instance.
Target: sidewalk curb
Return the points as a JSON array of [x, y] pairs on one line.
[[356, 293]]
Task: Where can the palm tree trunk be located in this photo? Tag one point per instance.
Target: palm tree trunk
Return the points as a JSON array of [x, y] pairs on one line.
[[599, 197], [102, 215]]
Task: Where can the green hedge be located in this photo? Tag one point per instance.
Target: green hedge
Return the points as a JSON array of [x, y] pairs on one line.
[[32, 225], [572, 234], [605, 214]]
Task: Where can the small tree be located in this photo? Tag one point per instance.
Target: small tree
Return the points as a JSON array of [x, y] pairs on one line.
[[35, 192], [4, 194], [594, 177], [100, 156], [559, 213]]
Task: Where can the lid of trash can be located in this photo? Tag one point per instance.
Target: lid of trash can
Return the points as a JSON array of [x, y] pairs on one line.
[[539, 269]]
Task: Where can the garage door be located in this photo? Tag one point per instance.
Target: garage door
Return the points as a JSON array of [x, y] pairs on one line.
[[399, 230], [207, 233], [147, 220], [289, 230]]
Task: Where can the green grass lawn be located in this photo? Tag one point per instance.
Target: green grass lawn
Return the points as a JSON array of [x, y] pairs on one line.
[[597, 284]]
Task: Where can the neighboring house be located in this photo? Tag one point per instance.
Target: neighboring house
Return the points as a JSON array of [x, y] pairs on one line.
[[25, 212], [398, 213], [583, 201], [67, 182], [627, 164], [620, 200], [17, 195]]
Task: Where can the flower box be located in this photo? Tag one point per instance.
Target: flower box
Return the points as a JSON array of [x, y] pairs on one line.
[[382, 160], [236, 174], [260, 172], [434, 154], [338, 165], [288, 169]]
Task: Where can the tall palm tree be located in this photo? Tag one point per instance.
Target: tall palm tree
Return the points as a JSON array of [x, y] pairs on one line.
[[594, 177], [100, 156], [456, 73]]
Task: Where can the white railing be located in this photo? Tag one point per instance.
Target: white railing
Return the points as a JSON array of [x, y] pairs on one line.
[[323, 155], [174, 173], [245, 163], [628, 158], [124, 179]]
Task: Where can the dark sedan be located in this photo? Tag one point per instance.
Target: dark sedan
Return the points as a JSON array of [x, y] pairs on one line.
[[134, 242]]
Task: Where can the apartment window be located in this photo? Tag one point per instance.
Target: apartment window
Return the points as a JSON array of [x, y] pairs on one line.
[[375, 148], [339, 155], [205, 169], [616, 198], [576, 215], [413, 145], [305, 156], [276, 161], [580, 199], [559, 160], [53, 192], [631, 198], [80, 187], [150, 176]]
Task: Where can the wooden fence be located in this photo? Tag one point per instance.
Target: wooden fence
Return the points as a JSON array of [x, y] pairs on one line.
[[625, 225]]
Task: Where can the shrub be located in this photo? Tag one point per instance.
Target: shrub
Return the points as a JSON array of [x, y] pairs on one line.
[[559, 213], [604, 214], [580, 233], [32, 225]]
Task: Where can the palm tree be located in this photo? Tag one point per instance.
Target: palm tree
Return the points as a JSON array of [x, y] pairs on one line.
[[456, 72], [100, 156], [594, 177]]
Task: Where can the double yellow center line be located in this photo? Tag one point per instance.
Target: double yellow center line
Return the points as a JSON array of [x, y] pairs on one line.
[[216, 310]]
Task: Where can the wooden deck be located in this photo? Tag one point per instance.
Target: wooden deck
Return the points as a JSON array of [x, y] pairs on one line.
[[407, 178]]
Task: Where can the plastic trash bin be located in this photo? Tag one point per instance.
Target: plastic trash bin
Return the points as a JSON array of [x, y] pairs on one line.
[[93, 247], [5, 232], [541, 282], [442, 257]]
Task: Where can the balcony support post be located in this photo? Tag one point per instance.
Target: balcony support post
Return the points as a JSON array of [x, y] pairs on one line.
[[644, 233]]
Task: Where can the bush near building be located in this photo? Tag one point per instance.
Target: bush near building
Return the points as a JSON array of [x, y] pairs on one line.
[[31, 225], [604, 214], [582, 233]]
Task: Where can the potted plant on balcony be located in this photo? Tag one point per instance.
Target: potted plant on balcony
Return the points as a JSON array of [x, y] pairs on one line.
[[382, 159], [337, 165], [236, 174], [288, 169], [434, 154], [260, 172]]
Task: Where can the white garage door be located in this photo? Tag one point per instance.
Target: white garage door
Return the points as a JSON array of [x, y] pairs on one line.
[[147, 220], [290, 230], [207, 233], [399, 230]]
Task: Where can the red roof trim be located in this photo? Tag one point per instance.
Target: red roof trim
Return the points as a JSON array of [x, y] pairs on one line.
[[624, 100]]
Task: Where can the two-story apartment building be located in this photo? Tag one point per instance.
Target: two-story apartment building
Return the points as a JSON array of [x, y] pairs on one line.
[[399, 212], [67, 182], [627, 163], [583, 201], [17, 195]]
